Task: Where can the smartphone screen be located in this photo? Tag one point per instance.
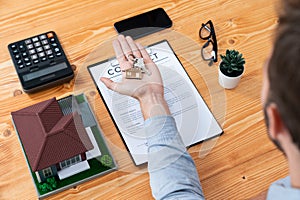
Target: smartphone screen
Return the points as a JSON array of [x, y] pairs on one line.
[[144, 24]]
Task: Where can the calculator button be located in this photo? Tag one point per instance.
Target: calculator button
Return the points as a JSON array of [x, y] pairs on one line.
[[44, 42], [15, 51], [42, 54], [43, 59], [36, 61], [30, 46], [50, 35], [51, 56], [46, 47], [37, 44], [25, 54], [32, 51], [21, 66], [35, 39], [56, 50], [42, 37], [49, 52], [58, 54], [52, 40], [27, 59], [33, 57], [13, 47], [28, 41], [28, 64], [39, 49], [17, 56], [22, 48], [54, 45], [19, 62]]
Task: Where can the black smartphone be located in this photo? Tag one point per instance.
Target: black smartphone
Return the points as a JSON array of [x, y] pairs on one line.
[[144, 24]]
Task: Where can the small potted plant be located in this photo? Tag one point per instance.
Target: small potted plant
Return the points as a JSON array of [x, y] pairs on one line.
[[231, 69]]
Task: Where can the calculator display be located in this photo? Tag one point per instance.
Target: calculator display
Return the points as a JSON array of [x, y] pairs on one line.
[[43, 72]]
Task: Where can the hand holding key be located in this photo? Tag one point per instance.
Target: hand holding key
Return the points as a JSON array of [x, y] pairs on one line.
[[146, 88]]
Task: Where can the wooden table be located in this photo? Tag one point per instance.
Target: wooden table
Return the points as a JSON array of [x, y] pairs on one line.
[[240, 164]]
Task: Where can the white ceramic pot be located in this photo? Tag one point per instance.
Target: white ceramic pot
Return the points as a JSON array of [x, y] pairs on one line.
[[228, 82]]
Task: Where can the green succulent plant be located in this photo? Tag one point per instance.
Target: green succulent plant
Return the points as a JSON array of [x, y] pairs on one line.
[[232, 63]]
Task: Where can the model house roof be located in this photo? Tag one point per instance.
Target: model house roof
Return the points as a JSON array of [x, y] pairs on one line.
[[48, 136]]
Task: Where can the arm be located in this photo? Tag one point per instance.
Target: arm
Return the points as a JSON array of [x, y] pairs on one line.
[[172, 171]]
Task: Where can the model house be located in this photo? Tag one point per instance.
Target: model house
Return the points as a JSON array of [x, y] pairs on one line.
[[52, 142]]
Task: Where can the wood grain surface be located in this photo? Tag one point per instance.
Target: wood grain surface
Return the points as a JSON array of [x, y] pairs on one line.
[[240, 164]]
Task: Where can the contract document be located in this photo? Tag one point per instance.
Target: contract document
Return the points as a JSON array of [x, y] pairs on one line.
[[194, 120]]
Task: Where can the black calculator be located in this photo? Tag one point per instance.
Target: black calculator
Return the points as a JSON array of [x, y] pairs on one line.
[[40, 62]]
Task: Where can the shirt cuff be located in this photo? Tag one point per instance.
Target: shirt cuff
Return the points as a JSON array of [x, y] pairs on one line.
[[161, 131]]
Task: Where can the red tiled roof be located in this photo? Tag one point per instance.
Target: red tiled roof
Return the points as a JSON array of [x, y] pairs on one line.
[[47, 136]]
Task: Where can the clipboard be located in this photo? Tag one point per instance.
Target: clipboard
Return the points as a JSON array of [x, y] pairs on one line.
[[195, 122]]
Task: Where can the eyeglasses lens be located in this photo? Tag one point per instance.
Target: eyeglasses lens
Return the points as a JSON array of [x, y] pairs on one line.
[[205, 31], [207, 51]]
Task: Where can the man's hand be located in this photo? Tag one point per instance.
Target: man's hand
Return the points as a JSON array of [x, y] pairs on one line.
[[149, 91]]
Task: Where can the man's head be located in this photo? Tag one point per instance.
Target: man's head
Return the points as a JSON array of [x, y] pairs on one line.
[[281, 90]]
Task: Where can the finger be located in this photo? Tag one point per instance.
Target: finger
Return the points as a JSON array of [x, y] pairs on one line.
[[119, 52], [144, 53], [125, 46], [110, 84], [124, 64], [117, 87], [134, 49]]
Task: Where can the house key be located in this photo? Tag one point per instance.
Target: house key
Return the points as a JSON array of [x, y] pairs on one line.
[[136, 72], [139, 62]]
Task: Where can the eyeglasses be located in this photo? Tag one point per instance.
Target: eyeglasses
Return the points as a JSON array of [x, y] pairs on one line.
[[209, 50]]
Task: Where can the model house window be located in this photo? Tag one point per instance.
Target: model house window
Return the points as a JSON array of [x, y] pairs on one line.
[[47, 172], [69, 162]]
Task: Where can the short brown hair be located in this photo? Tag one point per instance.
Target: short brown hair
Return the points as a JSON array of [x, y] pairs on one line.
[[284, 68]]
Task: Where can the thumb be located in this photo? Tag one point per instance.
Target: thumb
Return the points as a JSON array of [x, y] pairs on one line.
[[109, 83], [117, 87]]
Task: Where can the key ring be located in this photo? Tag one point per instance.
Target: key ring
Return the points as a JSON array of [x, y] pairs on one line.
[[130, 57]]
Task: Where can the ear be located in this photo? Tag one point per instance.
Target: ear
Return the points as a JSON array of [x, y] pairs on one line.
[[276, 125]]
